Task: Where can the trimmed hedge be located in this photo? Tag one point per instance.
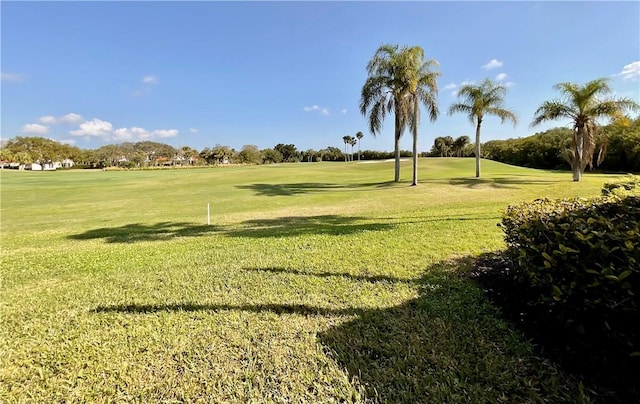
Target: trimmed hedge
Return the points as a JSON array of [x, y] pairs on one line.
[[578, 265]]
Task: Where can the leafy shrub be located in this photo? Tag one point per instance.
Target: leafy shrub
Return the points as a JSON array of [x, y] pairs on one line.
[[578, 263], [630, 184]]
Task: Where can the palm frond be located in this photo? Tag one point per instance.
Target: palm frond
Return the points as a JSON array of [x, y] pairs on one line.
[[380, 62], [503, 114], [566, 88], [373, 89], [376, 117], [552, 110], [583, 97], [612, 108], [596, 87], [465, 109]]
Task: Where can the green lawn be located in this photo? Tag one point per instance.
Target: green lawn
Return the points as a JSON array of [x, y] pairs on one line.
[[314, 282]]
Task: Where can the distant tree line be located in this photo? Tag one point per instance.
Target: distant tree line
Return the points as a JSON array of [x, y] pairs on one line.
[[26, 150]]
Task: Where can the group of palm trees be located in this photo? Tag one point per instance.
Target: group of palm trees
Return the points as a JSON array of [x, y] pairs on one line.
[[351, 141], [400, 80], [447, 146]]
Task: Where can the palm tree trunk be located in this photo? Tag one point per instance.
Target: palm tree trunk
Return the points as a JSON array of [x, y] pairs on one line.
[[478, 148], [396, 149], [415, 157], [578, 163], [414, 132], [396, 146]]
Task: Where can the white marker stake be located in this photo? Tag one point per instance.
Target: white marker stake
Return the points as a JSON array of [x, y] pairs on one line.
[[208, 215]]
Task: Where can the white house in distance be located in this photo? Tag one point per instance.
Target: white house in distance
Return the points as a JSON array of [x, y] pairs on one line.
[[66, 163], [50, 166], [33, 167]]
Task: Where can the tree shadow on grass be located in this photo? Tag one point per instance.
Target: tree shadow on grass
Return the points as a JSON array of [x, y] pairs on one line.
[[288, 226], [448, 345], [358, 278], [308, 187], [460, 217], [496, 182], [137, 232], [300, 309], [291, 226]]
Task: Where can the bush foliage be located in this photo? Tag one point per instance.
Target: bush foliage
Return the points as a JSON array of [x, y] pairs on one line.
[[578, 261], [632, 183]]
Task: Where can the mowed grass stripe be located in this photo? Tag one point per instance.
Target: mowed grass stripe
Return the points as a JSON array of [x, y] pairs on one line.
[[314, 282]]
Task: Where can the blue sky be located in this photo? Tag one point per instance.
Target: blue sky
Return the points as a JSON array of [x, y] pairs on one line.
[[263, 73]]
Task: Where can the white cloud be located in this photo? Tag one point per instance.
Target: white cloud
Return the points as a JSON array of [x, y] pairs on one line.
[[122, 134], [450, 86], [48, 119], [323, 111], [70, 118], [493, 63], [193, 130], [35, 129], [344, 111], [104, 129], [165, 133], [630, 71], [94, 127], [133, 133], [14, 77], [508, 84], [147, 85], [501, 76], [139, 131], [150, 79], [98, 128]]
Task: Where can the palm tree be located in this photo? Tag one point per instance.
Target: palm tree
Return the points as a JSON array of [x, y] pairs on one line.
[[345, 139], [486, 98], [444, 144], [438, 146], [6, 156], [352, 142], [423, 89], [582, 104], [359, 136], [188, 154], [460, 143], [399, 80]]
